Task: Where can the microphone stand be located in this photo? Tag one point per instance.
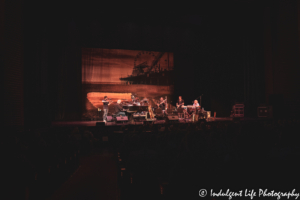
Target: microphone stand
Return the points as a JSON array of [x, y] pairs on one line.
[[200, 100]]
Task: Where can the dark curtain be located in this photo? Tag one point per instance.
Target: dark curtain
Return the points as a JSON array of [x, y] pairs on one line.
[[253, 63], [252, 79], [12, 63], [66, 74]]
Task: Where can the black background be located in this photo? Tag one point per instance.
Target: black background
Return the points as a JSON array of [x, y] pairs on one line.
[[219, 50]]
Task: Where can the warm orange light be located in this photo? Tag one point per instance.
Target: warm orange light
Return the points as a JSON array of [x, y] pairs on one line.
[[96, 97]]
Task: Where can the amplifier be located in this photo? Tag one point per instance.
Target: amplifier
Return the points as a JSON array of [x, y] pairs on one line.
[[238, 110], [264, 111], [122, 118]]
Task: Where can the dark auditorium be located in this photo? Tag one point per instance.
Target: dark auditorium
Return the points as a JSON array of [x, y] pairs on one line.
[[150, 102]]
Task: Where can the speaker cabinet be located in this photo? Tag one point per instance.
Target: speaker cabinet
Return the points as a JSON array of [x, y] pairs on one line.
[[264, 111], [238, 110]]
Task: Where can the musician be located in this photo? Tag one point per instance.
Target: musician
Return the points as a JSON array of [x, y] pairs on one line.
[[132, 99], [180, 102], [136, 101], [105, 107], [119, 108], [196, 107], [161, 104], [144, 101], [196, 104]]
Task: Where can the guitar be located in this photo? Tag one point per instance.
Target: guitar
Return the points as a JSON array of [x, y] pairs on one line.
[[158, 104], [179, 105]]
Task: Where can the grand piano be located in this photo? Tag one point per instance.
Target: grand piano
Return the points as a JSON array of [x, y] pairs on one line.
[[137, 111]]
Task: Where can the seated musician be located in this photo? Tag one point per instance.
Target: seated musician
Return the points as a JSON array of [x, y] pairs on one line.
[[196, 104], [136, 101], [119, 109], [144, 102], [196, 107], [180, 102]]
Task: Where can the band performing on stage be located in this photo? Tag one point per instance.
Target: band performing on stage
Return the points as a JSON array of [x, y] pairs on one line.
[[151, 109]]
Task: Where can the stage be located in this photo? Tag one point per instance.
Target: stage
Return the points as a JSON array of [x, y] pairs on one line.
[[101, 123]]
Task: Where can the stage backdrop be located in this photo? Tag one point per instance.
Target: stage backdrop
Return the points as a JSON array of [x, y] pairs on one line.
[[119, 74]]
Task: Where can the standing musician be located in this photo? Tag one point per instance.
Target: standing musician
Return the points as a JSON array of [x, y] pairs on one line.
[[105, 107], [162, 104], [119, 108], [180, 102]]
